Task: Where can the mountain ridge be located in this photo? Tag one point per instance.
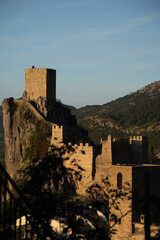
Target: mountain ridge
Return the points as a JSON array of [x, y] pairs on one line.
[[134, 114], [123, 103]]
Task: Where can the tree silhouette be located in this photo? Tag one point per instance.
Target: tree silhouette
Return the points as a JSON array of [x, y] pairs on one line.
[[50, 188]]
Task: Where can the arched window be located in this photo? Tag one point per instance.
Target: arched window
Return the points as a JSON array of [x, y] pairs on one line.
[[119, 180]]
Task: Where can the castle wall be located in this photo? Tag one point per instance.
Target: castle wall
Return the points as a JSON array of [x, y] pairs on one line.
[[104, 159], [124, 226], [139, 146], [81, 160], [51, 85], [40, 82], [138, 192], [121, 151], [57, 135]]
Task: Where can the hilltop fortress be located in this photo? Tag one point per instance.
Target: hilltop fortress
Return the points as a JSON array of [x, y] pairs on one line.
[[122, 161]]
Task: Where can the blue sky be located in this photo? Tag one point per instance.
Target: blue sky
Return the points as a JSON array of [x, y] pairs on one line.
[[101, 49]]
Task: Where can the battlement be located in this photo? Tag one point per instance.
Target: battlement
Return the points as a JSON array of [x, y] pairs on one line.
[[137, 138], [124, 151], [82, 145], [57, 134], [120, 140], [55, 126]]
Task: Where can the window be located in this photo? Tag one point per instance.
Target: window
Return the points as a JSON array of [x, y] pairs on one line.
[[119, 180]]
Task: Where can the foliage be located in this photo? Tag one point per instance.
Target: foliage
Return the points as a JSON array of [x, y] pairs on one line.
[[38, 142], [97, 131], [128, 102], [48, 185], [29, 116], [50, 188], [114, 198], [146, 113], [141, 119]]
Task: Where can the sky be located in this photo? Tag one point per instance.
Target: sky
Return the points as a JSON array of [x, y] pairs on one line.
[[101, 49]]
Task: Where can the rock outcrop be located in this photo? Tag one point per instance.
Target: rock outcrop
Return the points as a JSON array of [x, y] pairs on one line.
[[28, 129], [20, 121]]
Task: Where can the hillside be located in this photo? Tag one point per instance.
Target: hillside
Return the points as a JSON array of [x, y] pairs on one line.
[[134, 114], [127, 102]]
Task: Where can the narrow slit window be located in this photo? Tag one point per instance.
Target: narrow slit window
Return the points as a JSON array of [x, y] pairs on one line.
[[119, 180]]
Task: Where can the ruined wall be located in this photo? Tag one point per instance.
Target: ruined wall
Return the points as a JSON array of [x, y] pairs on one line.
[[104, 159], [41, 82]]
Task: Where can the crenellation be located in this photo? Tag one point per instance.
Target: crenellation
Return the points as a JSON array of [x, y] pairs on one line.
[[136, 138], [57, 138]]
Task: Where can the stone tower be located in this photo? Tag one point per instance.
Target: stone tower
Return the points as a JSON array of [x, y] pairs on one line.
[[41, 82]]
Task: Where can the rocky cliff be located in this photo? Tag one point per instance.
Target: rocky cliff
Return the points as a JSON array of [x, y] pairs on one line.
[[28, 129], [21, 122]]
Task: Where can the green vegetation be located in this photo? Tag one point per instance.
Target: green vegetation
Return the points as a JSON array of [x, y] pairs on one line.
[[29, 116], [143, 119], [39, 140], [97, 131], [122, 104], [145, 114]]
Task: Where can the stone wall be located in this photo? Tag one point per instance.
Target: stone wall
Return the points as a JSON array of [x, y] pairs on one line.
[[81, 159], [57, 138], [139, 146], [121, 151], [124, 226], [138, 192], [40, 82], [104, 159]]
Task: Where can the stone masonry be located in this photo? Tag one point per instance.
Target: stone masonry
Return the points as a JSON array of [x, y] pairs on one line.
[[41, 82]]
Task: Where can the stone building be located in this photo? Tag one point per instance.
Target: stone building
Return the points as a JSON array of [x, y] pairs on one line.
[[41, 82], [122, 161], [125, 161]]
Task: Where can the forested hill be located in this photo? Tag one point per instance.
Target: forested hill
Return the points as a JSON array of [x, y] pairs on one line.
[[127, 102], [134, 114]]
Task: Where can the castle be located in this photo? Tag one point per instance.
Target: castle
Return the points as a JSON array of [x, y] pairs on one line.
[[122, 161]]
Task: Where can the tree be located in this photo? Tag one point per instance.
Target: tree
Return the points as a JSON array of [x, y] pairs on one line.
[[50, 188]]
